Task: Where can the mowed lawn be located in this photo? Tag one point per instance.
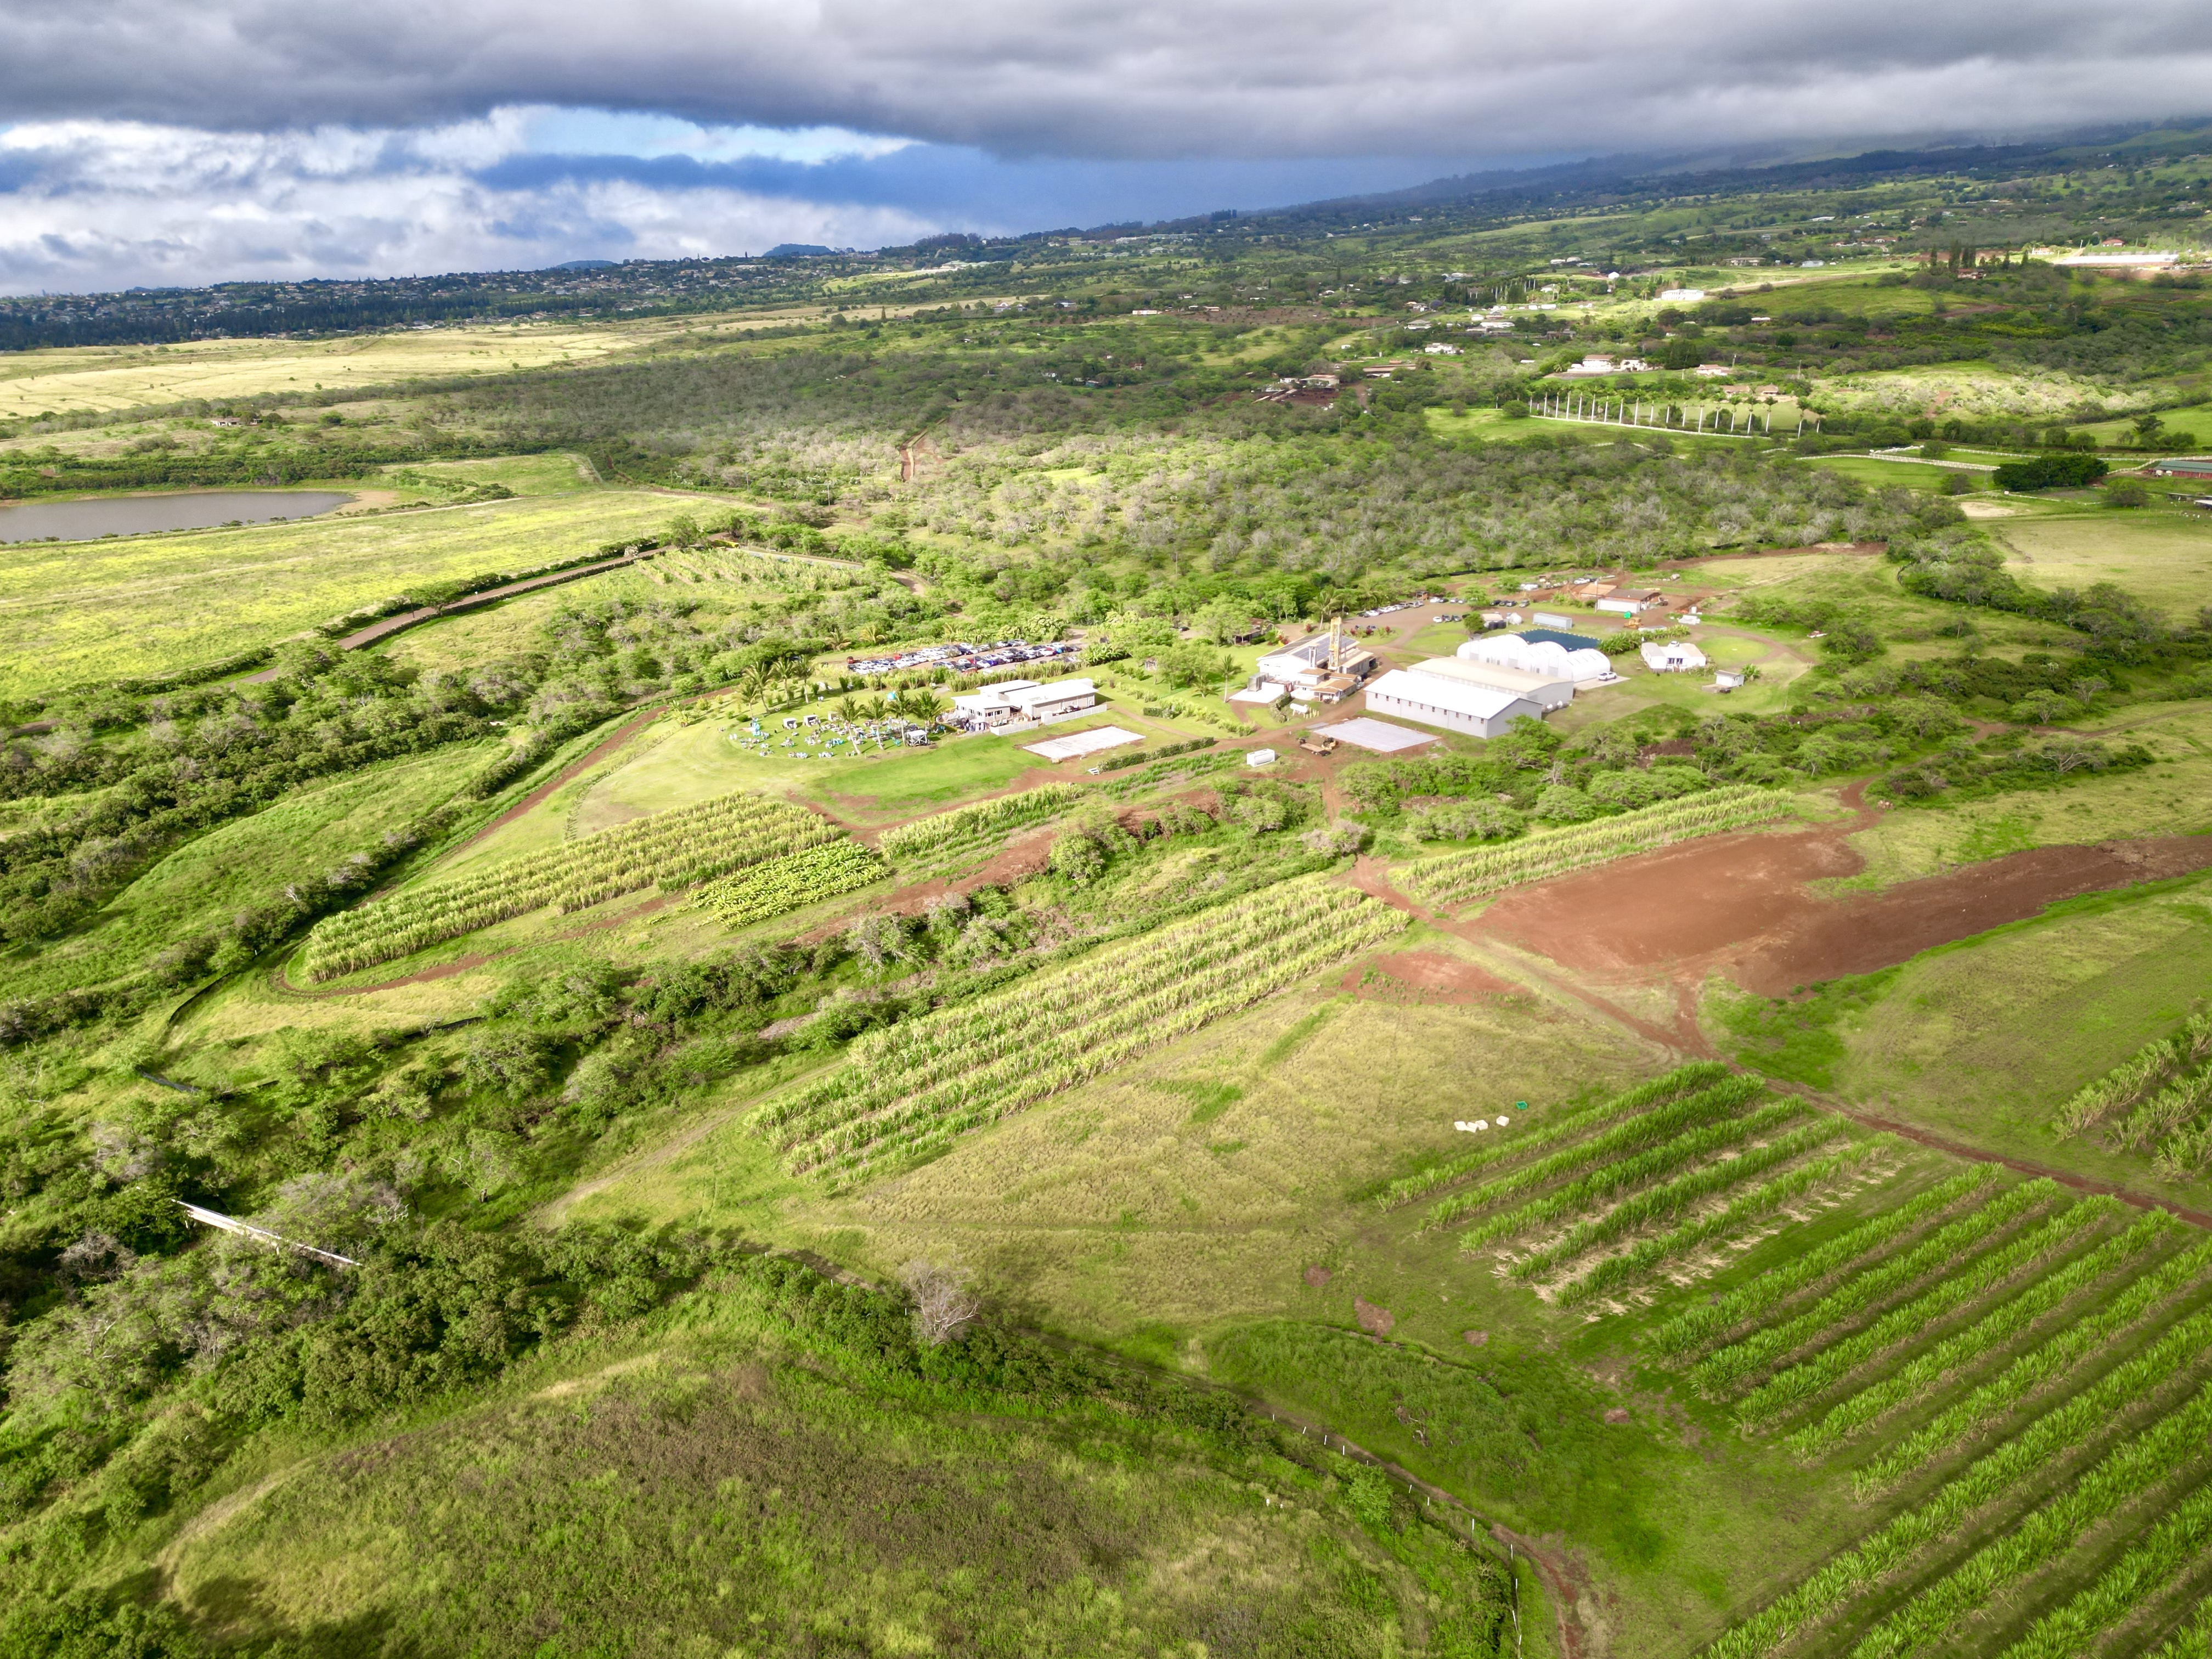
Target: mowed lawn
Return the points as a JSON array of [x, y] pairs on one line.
[[75, 611]]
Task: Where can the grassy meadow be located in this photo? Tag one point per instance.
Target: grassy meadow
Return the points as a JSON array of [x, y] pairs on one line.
[[99, 379], [151, 604]]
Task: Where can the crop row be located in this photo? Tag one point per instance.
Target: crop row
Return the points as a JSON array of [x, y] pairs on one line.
[[1764, 1199], [2079, 1339], [2137, 1076], [926, 1121], [943, 831], [2046, 1532], [969, 1064], [1062, 1059], [2170, 1108], [2151, 1563], [669, 849], [1996, 1328], [791, 883], [1558, 1125], [1637, 1169], [1984, 1273], [1692, 1329], [1460, 876], [1717, 1100], [1671, 1198], [1720, 1370], [2049, 1439], [920, 1053], [2193, 1640]]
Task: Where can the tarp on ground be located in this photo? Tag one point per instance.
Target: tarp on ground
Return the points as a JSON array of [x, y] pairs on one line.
[[1378, 735], [1083, 743]]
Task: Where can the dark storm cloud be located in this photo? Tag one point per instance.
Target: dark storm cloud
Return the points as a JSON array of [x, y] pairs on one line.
[[1081, 77], [971, 188]]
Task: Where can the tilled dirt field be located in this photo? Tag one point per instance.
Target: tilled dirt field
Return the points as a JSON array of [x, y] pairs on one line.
[[1742, 904]]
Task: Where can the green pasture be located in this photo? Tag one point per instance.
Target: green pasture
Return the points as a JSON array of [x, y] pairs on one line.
[[244, 863], [555, 474], [2168, 799], [797, 1504], [1174, 1209], [2162, 555], [1893, 475], [1980, 1041], [72, 613], [74, 380]]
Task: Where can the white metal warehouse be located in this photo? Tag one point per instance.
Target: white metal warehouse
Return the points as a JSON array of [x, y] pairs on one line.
[[1479, 711]]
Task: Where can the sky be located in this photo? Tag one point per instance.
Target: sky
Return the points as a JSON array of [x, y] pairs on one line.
[[180, 142]]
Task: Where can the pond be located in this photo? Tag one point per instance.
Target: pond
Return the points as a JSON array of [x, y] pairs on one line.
[[137, 515]]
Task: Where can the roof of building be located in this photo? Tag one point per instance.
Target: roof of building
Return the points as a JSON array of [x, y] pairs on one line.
[[1001, 692], [1452, 696], [1553, 636], [1473, 672], [1031, 691]]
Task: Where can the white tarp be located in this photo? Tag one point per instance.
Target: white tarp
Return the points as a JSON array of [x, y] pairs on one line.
[[1083, 743], [1378, 735]]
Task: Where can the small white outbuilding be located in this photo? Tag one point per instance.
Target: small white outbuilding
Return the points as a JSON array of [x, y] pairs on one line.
[[1673, 656]]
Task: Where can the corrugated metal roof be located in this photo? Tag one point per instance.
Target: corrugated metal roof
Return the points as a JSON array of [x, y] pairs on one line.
[[1435, 691]]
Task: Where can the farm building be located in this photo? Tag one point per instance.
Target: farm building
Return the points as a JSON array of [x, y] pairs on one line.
[[1547, 691], [1024, 702], [2181, 466], [1457, 705], [1628, 601], [1578, 664], [1325, 665], [1673, 656]]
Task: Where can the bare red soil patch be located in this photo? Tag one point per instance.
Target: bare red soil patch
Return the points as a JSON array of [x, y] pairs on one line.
[[1742, 903], [1376, 1321], [1423, 976]]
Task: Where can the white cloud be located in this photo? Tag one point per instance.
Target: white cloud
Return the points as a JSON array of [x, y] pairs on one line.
[[109, 205]]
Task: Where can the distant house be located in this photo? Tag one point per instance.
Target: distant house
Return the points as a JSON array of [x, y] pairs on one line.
[[2182, 466], [1455, 705], [1673, 656], [1681, 295], [1629, 601], [1727, 679]]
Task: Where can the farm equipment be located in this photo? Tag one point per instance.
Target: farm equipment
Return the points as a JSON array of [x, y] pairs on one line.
[[1314, 743]]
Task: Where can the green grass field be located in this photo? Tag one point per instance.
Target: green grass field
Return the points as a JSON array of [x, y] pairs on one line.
[[243, 863], [88, 378], [2163, 555], [150, 605]]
